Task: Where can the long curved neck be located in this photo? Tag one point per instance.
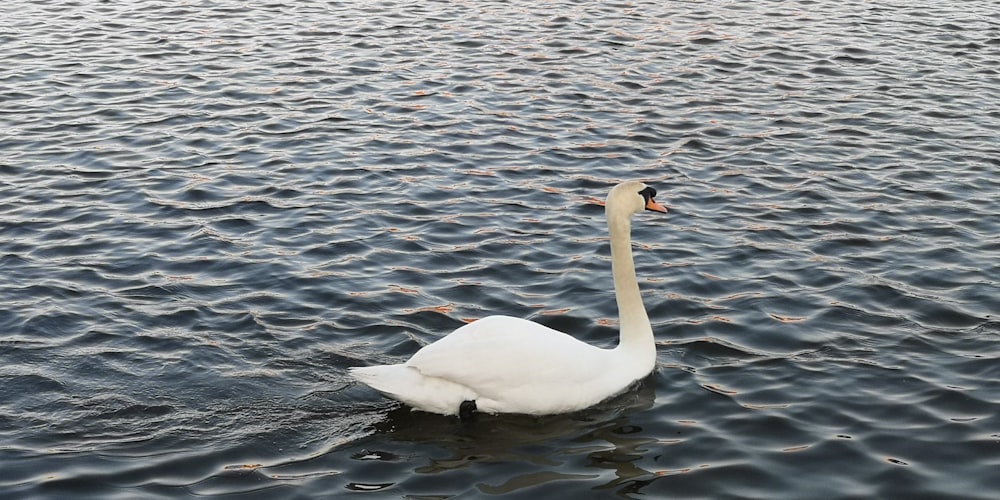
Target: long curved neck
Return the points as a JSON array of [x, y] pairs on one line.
[[636, 333]]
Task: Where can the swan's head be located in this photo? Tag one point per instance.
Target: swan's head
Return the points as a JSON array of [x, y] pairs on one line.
[[632, 197]]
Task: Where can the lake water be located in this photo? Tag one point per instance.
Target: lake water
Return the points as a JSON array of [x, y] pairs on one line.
[[211, 209]]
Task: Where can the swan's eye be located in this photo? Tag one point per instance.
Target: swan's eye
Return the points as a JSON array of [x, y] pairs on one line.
[[648, 193]]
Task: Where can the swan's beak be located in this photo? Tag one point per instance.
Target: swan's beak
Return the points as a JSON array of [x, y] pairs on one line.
[[654, 206]]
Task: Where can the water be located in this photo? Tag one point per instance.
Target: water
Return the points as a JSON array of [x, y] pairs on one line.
[[210, 210]]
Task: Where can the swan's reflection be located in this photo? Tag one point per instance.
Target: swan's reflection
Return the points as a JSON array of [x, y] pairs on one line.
[[583, 445]]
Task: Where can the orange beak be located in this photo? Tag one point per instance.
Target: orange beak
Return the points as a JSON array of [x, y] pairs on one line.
[[656, 207]]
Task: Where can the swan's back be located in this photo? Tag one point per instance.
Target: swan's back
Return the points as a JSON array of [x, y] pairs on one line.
[[503, 363]]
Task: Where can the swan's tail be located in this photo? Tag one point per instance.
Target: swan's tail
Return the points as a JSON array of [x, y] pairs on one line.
[[390, 380], [407, 384]]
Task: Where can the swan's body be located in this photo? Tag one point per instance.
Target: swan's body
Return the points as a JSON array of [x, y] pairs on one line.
[[501, 364]]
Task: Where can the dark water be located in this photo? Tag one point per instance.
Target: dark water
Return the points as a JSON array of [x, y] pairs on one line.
[[210, 210]]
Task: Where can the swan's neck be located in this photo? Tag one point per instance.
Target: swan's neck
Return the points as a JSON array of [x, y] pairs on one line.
[[636, 335]]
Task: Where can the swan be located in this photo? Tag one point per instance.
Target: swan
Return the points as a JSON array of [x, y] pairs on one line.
[[503, 364]]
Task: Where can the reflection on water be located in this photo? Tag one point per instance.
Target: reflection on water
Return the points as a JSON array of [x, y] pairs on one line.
[[210, 210], [546, 448]]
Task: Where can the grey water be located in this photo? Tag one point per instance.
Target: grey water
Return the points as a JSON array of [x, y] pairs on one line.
[[210, 210]]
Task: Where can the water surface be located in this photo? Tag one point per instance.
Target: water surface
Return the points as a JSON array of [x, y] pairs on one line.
[[210, 210]]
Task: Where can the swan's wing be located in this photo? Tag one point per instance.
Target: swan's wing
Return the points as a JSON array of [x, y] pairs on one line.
[[498, 355]]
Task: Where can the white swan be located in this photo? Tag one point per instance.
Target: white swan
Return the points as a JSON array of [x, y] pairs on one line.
[[501, 364]]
